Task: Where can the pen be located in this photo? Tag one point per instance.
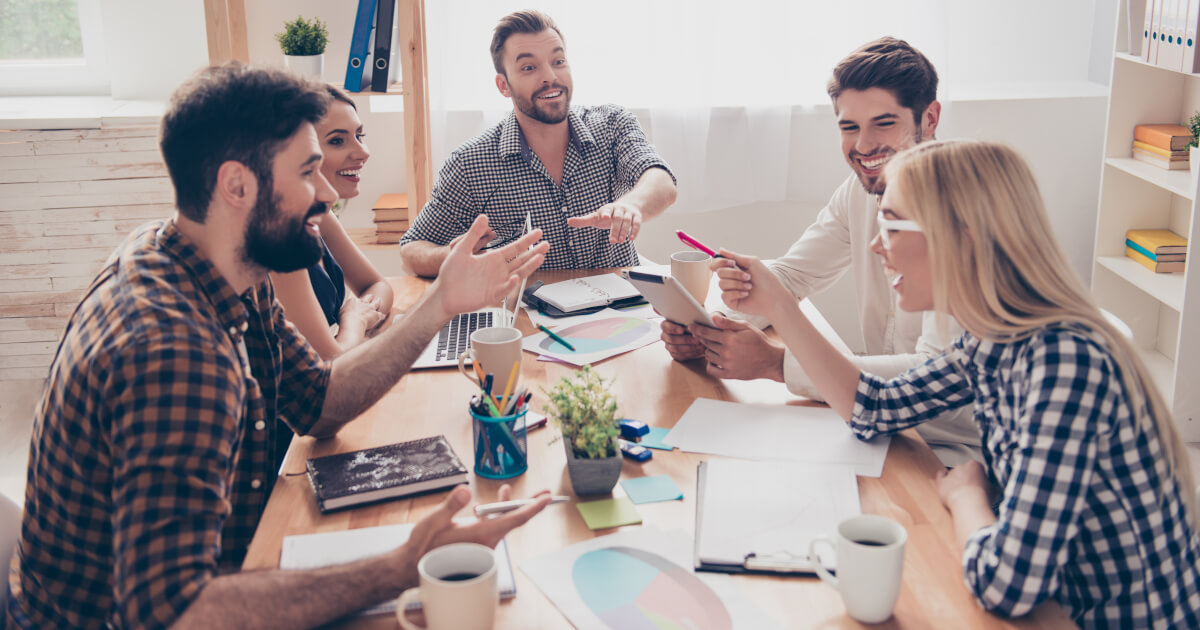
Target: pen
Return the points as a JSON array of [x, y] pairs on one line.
[[696, 244], [507, 506], [556, 337]]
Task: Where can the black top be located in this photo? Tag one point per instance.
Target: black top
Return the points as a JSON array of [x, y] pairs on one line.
[[329, 284]]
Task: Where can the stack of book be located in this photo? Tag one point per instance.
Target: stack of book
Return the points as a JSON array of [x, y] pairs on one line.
[[1161, 251], [391, 217], [1165, 146]]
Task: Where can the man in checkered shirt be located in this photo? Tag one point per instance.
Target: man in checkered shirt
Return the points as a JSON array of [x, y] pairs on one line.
[[586, 176], [152, 454]]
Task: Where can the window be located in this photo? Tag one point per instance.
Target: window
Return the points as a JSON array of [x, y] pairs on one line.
[[51, 47]]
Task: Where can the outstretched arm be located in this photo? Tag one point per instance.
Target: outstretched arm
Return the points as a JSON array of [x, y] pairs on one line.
[[653, 193]]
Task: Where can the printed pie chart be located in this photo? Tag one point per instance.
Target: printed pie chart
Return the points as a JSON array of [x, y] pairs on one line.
[[599, 335], [632, 589]]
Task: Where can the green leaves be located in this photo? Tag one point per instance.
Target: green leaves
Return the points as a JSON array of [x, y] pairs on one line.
[[302, 37], [1194, 125], [586, 413]]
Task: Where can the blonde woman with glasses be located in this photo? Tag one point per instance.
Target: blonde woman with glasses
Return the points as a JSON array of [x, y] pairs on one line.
[[1095, 502]]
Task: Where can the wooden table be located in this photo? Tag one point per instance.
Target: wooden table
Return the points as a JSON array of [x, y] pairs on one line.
[[652, 388]]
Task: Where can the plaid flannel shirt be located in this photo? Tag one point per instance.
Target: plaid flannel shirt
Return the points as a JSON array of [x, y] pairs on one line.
[[497, 174], [1089, 514], [152, 454]]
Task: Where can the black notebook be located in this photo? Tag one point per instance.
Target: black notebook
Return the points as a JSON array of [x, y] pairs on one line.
[[384, 472]]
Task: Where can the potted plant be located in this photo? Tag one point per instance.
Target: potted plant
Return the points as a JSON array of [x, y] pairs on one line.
[[585, 411], [1194, 148], [303, 44]]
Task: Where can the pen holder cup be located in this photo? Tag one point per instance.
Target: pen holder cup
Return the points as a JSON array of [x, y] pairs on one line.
[[500, 445]]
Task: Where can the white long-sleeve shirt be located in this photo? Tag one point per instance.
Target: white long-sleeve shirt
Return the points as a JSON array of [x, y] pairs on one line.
[[896, 340]]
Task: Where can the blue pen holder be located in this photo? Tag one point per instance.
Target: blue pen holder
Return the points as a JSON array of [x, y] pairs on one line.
[[500, 445]]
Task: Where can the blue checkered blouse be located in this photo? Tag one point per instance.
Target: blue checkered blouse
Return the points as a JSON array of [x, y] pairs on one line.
[[1090, 515]]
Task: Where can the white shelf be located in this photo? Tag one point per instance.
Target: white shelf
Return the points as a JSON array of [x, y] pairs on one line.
[[1165, 287], [1177, 182], [1126, 57], [1162, 371]]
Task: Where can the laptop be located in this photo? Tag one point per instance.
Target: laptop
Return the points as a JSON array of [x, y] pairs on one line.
[[455, 337]]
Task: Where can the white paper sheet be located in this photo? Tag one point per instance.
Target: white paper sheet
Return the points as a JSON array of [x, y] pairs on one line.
[[641, 578], [776, 432], [595, 337], [311, 551]]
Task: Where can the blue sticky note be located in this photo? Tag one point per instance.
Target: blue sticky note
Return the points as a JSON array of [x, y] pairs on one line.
[[651, 489], [654, 439]]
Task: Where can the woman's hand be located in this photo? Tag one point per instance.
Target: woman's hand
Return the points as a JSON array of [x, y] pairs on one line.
[[748, 286], [360, 314]]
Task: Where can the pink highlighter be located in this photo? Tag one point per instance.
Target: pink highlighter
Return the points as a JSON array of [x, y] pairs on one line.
[[696, 244]]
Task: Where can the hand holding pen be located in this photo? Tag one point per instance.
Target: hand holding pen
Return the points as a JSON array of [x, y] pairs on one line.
[[747, 285], [695, 244]]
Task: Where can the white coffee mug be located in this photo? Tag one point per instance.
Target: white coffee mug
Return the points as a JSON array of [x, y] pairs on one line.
[[494, 349], [458, 589], [690, 268], [870, 556]]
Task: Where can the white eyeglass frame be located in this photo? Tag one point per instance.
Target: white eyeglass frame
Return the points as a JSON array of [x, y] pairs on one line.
[[894, 225]]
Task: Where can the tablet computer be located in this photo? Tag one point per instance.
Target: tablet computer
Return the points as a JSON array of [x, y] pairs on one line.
[[669, 298]]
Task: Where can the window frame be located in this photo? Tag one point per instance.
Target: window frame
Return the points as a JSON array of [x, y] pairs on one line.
[[86, 76]]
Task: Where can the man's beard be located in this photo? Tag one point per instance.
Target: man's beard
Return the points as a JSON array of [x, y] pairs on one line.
[[530, 108], [278, 244], [879, 185]]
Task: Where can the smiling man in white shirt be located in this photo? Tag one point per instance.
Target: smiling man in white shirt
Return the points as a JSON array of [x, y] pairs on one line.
[[885, 98]]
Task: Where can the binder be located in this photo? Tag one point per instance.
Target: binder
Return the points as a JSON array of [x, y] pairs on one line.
[[1155, 31], [1137, 14], [359, 45], [385, 15], [759, 516], [1191, 49], [1170, 49]]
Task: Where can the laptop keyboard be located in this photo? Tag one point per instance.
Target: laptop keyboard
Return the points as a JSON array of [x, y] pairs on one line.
[[455, 337]]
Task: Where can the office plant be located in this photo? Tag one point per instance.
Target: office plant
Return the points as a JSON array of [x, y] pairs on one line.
[[303, 45], [585, 411]]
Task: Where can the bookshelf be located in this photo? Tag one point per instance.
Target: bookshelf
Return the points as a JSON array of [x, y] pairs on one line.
[[1162, 310]]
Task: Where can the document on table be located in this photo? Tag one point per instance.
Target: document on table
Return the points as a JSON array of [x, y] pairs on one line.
[[311, 551], [776, 432], [760, 516]]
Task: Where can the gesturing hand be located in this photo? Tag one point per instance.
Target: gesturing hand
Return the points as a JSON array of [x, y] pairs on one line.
[[748, 286], [622, 220], [487, 237], [468, 281]]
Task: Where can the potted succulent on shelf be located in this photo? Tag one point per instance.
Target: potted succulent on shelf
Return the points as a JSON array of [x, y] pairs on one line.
[[303, 44], [585, 411]]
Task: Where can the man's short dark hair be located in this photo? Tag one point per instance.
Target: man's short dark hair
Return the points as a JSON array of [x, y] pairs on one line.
[[529, 21], [893, 65], [232, 113]]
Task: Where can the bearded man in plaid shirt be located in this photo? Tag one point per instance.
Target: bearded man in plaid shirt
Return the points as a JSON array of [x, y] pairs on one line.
[[152, 454]]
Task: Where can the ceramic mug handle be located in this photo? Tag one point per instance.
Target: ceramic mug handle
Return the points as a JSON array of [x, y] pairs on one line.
[[469, 353], [822, 573], [405, 598]]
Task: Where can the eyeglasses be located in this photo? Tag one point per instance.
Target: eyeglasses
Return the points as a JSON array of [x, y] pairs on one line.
[[894, 225]]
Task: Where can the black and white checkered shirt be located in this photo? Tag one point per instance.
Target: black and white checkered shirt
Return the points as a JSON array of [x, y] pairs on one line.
[[1090, 515], [496, 173]]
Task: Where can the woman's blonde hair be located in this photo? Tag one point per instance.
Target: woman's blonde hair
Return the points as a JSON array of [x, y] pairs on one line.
[[998, 269]]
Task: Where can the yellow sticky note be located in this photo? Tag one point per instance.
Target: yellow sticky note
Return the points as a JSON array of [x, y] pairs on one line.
[[609, 513]]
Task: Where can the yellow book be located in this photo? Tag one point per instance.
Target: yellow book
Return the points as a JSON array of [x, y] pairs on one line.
[[1156, 267], [1158, 241], [1178, 155]]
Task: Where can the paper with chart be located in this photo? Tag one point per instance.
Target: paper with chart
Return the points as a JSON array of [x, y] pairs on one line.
[[311, 551], [776, 432], [771, 510], [595, 337], [641, 578]]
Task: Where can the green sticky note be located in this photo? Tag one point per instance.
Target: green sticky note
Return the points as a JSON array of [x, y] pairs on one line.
[[609, 513], [652, 489], [654, 439]]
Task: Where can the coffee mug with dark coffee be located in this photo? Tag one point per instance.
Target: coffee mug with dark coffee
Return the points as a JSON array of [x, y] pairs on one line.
[[458, 589], [870, 556]]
